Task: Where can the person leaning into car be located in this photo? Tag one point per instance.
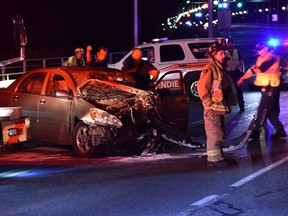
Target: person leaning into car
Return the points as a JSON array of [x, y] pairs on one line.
[[143, 71], [217, 92]]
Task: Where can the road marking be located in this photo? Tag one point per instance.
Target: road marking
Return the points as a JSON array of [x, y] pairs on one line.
[[258, 173], [208, 200]]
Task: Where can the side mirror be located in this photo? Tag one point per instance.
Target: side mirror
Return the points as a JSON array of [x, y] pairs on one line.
[[62, 93]]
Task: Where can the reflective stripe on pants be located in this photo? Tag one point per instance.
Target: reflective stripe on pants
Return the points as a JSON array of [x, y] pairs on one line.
[[214, 128]]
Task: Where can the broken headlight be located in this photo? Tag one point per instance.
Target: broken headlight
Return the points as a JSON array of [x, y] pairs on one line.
[[104, 118]]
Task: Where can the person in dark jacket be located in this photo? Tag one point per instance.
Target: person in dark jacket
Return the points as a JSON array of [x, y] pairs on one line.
[[100, 59], [143, 71]]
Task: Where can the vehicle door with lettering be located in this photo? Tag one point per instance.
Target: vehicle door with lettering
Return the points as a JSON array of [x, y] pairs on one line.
[[175, 104]]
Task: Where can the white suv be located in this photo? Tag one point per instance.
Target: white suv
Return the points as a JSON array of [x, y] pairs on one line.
[[177, 60]]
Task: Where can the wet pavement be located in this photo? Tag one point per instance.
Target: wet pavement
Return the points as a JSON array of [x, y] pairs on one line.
[[238, 122]]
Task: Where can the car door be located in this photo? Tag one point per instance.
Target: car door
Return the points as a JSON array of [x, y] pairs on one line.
[[55, 110], [175, 105], [27, 96]]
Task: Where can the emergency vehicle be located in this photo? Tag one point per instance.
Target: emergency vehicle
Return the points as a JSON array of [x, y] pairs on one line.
[[15, 128], [179, 61]]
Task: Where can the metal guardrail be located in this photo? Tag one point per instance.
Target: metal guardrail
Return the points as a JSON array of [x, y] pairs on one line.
[[14, 70]]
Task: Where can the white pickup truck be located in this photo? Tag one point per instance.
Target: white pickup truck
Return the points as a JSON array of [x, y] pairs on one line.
[[179, 62]]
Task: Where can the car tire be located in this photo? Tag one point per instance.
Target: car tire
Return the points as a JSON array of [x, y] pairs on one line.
[[82, 142], [14, 147], [191, 87]]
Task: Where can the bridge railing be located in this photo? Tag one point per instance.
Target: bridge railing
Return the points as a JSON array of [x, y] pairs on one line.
[[14, 70]]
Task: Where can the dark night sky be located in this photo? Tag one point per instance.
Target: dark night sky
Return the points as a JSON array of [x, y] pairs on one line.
[[68, 24]]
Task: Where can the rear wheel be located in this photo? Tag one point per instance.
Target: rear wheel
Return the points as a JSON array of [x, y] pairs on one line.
[[82, 141], [191, 87]]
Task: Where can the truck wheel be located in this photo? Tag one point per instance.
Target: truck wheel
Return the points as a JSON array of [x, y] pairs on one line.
[[191, 88], [82, 141]]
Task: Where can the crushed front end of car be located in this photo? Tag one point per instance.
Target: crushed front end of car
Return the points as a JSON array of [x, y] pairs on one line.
[[121, 114]]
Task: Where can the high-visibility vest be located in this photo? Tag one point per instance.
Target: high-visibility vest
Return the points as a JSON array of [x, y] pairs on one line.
[[233, 63], [272, 75], [72, 61]]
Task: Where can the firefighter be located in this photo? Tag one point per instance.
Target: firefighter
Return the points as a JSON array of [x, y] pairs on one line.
[[217, 92], [77, 59], [235, 68], [267, 70]]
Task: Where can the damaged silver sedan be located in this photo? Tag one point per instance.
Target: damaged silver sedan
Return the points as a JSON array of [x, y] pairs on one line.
[[92, 109]]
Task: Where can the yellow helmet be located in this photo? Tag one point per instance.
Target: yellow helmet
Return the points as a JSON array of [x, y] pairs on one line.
[[79, 50]]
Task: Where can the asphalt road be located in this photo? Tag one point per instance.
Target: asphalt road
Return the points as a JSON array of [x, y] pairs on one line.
[[49, 180]]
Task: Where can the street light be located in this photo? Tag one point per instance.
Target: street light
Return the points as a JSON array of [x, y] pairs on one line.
[[135, 23]]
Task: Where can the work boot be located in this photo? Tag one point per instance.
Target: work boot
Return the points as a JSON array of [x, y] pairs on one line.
[[279, 134], [221, 163], [242, 109], [255, 135]]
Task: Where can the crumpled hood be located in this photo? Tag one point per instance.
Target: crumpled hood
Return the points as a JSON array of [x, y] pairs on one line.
[[111, 96]]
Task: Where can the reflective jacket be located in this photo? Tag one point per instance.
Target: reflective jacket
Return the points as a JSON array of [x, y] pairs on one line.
[[233, 63], [72, 61], [216, 89], [272, 75]]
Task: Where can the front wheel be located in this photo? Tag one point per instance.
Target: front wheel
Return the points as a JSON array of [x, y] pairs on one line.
[[82, 141], [14, 147]]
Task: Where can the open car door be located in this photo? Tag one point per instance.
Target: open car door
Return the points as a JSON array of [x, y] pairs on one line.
[[175, 105]]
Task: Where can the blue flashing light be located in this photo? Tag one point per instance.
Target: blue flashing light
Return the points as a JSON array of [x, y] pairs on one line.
[[239, 4], [273, 42]]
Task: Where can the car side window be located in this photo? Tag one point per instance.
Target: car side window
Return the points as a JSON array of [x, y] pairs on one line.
[[199, 49], [60, 84], [171, 53], [32, 84], [148, 54]]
